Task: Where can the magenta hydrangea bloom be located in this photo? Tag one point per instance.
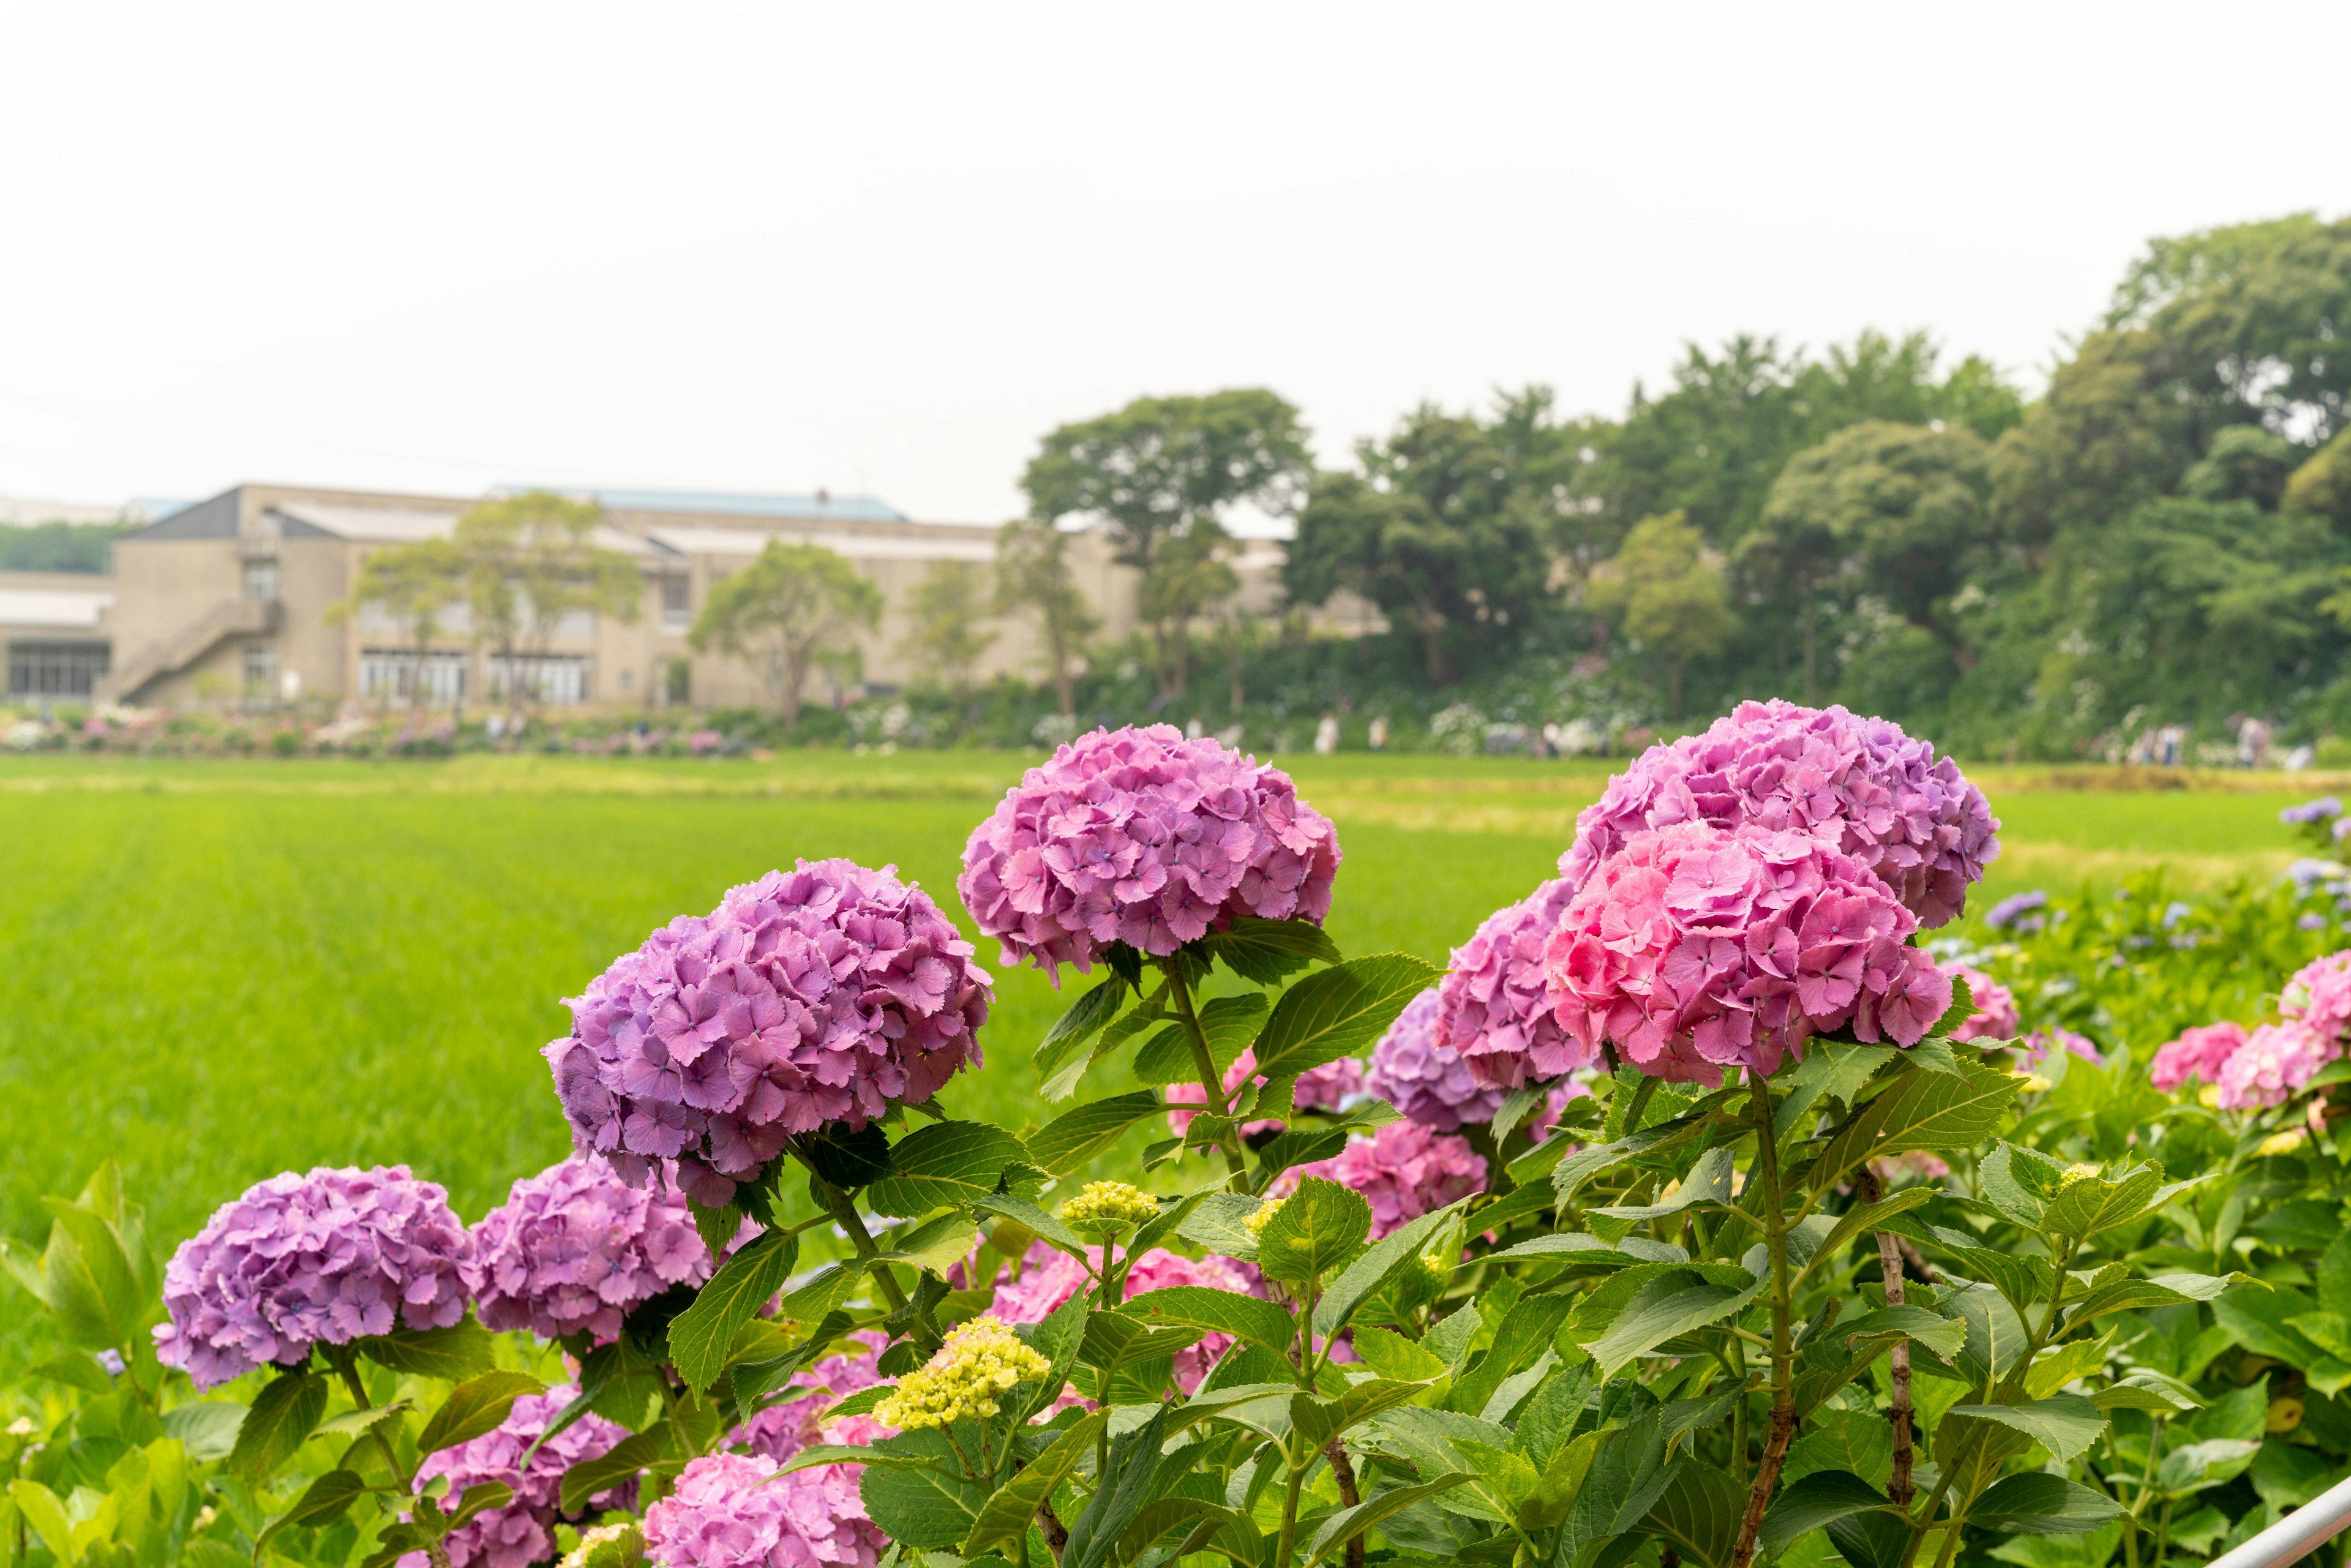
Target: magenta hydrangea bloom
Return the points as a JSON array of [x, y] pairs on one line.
[[820, 994], [299, 1260], [1324, 1088], [1049, 1278], [1430, 1083], [575, 1247], [1491, 1006], [1696, 948], [1859, 785], [2199, 1053], [1995, 1017], [726, 1511], [2319, 994], [784, 1428], [2276, 1060], [522, 1532], [1404, 1170], [1142, 837]]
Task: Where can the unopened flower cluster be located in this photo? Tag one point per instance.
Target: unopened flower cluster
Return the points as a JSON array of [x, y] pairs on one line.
[[575, 1247], [820, 994], [1261, 1217], [980, 1362], [299, 1260], [1860, 786], [1142, 837], [732, 1510], [621, 1544], [1327, 1087], [1696, 947], [1491, 1005], [520, 1531], [1403, 1170], [1110, 1206], [1049, 1278]]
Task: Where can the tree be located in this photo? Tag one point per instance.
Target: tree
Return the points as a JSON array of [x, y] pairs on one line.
[[944, 629], [59, 546], [784, 614], [1162, 471], [415, 586], [1032, 575], [531, 560], [1668, 596], [2321, 487]]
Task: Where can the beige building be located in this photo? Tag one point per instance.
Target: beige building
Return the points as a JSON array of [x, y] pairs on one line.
[[57, 633]]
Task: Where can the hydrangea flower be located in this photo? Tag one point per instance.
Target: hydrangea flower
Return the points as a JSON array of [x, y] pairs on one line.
[[1995, 1017], [1430, 1083], [2325, 809], [2276, 1060], [1859, 785], [1049, 1278], [1403, 1170], [1327, 1087], [1698, 947], [967, 1379], [1142, 837], [2199, 1053], [1111, 1205], [2043, 1043], [784, 1428], [1491, 1007], [817, 995], [726, 1511], [575, 1247], [2021, 909], [299, 1260], [521, 1532], [2319, 994]]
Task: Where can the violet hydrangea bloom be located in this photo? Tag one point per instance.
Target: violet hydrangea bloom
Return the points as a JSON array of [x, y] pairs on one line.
[[1696, 947], [299, 1260], [575, 1247], [2276, 1060], [1491, 1006], [1995, 1017], [2021, 909], [1320, 1088], [2043, 1043], [1049, 1278], [521, 1532], [2319, 994], [1430, 1083], [1859, 785], [732, 1510], [820, 994], [1142, 837], [1403, 1170], [2201, 1051]]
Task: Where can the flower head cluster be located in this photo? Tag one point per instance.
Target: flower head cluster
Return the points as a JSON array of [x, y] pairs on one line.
[[784, 1428], [815, 995], [2201, 1051], [2020, 910], [1142, 837], [1327, 1087], [732, 1510], [1696, 947], [299, 1260], [2276, 1060], [522, 1530], [1404, 1171], [1995, 1017], [1491, 1006], [1430, 1082], [980, 1362], [2325, 809], [574, 1248], [1860, 786], [1110, 1206], [1049, 1278], [2319, 994]]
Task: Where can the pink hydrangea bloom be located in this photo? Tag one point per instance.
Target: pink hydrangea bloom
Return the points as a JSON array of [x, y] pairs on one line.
[[2043, 1043], [1142, 837], [1321, 1088], [575, 1247], [820, 994], [1995, 1017], [2199, 1053], [1430, 1083], [2319, 994], [1404, 1170], [522, 1532], [726, 1513], [2275, 1060], [1491, 1005], [1859, 785], [784, 1428], [299, 1260], [1049, 1278], [1696, 947]]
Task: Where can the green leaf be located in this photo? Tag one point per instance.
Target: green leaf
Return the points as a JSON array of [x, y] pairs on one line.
[[2064, 1424], [700, 1335], [1058, 1339], [1265, 951], [1664, 1307], [2038, 1504], [2144, 1389], [1120, 1492], [927, 1506], [1367, 1275], [81, 1372], [1258, 1322], [937, 1244], [452, 1355], [1921, 1110], [480, 1497], [1815, 1500], [1219, 1222], [86, 1262], [323, 1499], [207, 1428], [1316, 1232], [1337, 1011], [945, 1164], [1337, 1529], [48, 1516], [614, 1467], [1944, 1336], [477, 1405], [1860, 1218], [1833, 1070], [2335, 1275], [1525, 1333], [359, 1423], [2091, 1206], [849, 1159], [1390, 1354], [1583, 1165], [1067, 1141], [1082, 1021], [1627, 1475], [2136, 1295], [1698, 1511], [1027, 1215], [2194, 1467], [1008, 1512], [283, 1415]]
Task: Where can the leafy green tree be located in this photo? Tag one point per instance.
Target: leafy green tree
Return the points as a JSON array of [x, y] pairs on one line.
[[786, 613], [415, 586], [1667, 597], [59, 546], [1033, 576], [530, 562], [947, 624], [1161, 474], [2321, 487]]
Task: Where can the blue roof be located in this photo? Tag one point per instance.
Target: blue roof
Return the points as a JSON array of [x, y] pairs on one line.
[[860, 508]]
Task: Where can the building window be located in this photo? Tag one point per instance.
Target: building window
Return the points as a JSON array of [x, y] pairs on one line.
[[552, 680], [628, 681], [55, 669], [393, 675], [261, 577], [261, 671], [677, 603]]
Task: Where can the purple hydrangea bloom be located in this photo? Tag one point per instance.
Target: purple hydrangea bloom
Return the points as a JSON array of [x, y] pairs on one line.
[[1860, 786], [1491, 1006], [1403, 1170], [820, 994], [2326, 808], [575, 1247], [1142, 837], [1429, 1082], [784, 1428], [2018, 910], [726, 1513], [521, 1532], [299, 1260]]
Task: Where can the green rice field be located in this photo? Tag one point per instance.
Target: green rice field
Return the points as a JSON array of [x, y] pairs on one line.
[[213, 971]]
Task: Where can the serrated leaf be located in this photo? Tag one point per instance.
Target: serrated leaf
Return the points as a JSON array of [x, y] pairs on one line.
[[1337, 1011], [1569, 1177], [927, 1506], [848, 1158], [1336, 1531], [2038, 1504], [282, 1417], [358, 1422], [937, 1244], [452, 1355], [1943, 1337], [477, 1405], [1120, 1492], [1921, 1110], [1067, 1141], [1814, 1501], [1219, 1222], [1367, 1275], [1081, 1022], [322, 1501], [2136, 1295], [1860, 1218], [2064, 1424], [1316, 1231], [1265, 951], [700, 1335], [1008, 1513], [943, 1165], [1260, 1323], [614, 1467], [1390, 1354], [207, 1428], [1662, 1308], [2093, 1206]]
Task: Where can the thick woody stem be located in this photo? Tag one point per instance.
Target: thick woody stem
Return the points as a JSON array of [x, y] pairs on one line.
[[1344, 1474], [1889, 1263], [1783, 1358]]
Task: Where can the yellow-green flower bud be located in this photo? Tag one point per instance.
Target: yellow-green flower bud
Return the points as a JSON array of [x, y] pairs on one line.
[[2076, 1173], [2284, 1143], [1264, 1212], [980, 1362], [1110, 1206]]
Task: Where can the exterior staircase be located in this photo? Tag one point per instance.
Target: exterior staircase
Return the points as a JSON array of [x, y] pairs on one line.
[[177, 650]]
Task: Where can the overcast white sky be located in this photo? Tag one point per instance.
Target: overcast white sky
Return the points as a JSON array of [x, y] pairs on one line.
[[884, 247]]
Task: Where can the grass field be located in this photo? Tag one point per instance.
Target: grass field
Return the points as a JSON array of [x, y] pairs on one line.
[[214, 971]]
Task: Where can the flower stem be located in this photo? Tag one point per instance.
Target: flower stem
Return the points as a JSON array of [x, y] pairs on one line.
[[1784, 1384], [1889, 1265], [845, 1213], [1297, 1484], [1204, 1062]]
